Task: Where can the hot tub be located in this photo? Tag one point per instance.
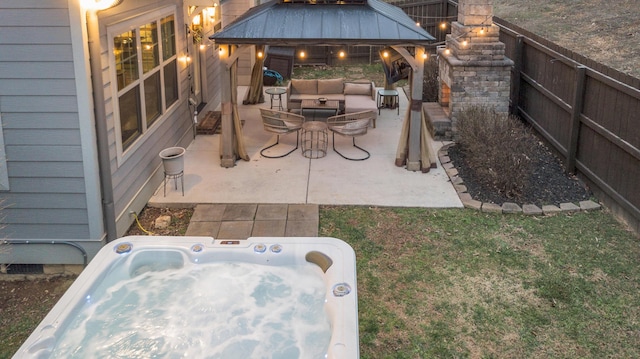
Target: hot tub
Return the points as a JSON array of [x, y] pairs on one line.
[[174, 297]]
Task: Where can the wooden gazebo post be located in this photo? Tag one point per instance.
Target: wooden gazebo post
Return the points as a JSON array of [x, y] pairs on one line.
[[414, 155], [415, 129], [227, 156]]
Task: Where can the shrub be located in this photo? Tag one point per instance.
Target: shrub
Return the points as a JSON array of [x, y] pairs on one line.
[[497, 146]]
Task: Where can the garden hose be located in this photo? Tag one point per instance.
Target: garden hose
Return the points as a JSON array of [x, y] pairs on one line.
[[149, 233]]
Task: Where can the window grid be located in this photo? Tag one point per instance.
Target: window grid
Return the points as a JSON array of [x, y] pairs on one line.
[[146, 81]]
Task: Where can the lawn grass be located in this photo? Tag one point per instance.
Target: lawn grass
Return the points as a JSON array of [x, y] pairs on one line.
[[372, 72], [458, 283], [462, 283]]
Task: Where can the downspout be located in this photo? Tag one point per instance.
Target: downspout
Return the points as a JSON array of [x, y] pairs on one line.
[[104, 162]]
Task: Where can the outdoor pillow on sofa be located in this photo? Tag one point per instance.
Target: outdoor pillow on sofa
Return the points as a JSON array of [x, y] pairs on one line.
[[309, 87], [351, 88], [331, 86]]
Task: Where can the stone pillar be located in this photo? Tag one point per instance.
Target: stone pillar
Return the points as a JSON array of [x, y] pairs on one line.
[[473, 67]]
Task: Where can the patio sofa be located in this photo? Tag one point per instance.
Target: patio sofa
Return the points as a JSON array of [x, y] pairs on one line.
[[354, 96]]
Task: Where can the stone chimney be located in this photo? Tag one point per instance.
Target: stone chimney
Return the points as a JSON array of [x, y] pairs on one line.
[[473, 68]]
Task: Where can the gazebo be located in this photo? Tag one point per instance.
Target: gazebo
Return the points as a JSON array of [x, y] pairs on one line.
[[325, 23]]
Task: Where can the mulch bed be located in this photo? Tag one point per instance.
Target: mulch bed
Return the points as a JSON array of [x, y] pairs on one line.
[[547, 184]]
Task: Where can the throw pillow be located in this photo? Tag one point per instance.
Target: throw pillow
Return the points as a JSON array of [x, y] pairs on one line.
[[331, 86], [351, 88], [304, 86]]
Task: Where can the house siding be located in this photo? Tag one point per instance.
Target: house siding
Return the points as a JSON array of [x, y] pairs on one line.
[[47, 196], [137, 175], [52, 188], [48, 129]]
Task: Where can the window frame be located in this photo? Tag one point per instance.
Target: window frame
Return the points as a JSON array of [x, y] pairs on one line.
[[146, 129]]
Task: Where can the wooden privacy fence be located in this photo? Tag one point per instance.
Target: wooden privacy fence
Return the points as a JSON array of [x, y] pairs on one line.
[[587, 111], [590, 118]]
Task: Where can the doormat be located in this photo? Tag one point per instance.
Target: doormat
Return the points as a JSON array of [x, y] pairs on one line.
[[210, 124]]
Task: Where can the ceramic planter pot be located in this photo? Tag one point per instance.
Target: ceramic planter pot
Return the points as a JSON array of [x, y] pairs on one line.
[[173, 160]]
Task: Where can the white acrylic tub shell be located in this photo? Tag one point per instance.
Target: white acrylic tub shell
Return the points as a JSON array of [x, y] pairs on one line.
[[335, 257]]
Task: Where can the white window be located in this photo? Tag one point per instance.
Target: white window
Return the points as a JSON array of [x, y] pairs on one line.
[[145, 77]]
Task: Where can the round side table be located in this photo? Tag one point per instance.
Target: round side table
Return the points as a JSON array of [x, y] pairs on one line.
[[314, 139], [273, 92]]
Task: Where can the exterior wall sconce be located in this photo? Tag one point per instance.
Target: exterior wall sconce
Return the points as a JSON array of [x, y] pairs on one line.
[[101, 4], [342, 54], [211, 12], [302, 54]]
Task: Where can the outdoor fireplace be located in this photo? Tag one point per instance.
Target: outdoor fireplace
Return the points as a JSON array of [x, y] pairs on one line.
[[473, 67]]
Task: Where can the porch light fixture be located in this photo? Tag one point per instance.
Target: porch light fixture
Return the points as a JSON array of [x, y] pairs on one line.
[[425, 56], [211, 12], [260, 54], [385, 54], [302, 54], [196, 21], [342, 54], [443, 25], [101, 4]]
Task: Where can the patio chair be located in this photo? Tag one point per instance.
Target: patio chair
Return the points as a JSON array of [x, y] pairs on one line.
[[280, 123], [351, 125]]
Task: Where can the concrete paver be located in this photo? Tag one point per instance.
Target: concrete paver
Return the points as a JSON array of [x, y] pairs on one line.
[[271, 212], [235, 230], [240, 212], [241, 221], [270, 228], [208, 212]]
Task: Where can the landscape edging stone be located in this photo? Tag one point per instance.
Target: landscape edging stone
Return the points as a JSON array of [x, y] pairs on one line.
[[507, 207]]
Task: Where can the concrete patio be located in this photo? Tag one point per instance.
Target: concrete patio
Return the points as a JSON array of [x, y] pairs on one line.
[[280, 197], [295, 179]]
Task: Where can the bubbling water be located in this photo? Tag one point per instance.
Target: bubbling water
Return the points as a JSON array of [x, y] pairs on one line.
[[214, 310]]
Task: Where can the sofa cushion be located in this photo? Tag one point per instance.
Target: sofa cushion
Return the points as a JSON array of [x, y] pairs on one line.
[[351, 88], [304, 86], [330, 86], [353, 103]]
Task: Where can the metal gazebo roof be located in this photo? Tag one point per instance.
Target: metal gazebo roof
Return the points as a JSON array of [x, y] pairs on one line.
[[282, 22]]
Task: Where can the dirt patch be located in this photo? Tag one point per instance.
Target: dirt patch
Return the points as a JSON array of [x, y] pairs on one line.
[[607, 32], [145, 224], [23, 304]]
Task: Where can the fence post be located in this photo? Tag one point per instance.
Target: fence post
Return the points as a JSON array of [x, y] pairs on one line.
[[516, 77], [576, 111]]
